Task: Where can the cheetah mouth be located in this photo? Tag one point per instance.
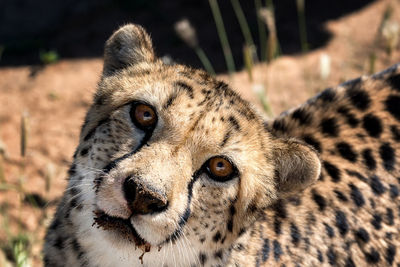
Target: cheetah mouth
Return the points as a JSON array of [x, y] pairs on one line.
[[122, 226]]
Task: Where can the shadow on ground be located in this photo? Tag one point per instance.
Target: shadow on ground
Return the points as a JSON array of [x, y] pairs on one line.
[[78, 28]]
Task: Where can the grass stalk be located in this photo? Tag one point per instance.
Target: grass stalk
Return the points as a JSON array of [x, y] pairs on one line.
[[262, 32], [267, 15], [230, 64], [188, 34], [248, 54], [204, 60], [2, 176], [302, 25], [24, 133], [243, 23]]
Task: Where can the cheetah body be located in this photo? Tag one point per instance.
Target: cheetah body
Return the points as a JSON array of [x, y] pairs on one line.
[[317, 186]]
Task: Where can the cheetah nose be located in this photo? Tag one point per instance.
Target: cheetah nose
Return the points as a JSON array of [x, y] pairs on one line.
[[142, 199]]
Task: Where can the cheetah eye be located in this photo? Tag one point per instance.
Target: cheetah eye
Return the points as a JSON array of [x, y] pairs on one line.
[[143, 116], [220, 169]]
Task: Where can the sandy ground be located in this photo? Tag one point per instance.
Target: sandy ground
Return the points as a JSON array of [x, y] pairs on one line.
[[54, 100]]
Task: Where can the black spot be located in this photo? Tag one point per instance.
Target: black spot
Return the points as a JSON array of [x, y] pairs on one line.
[[72, 170], [333, 171], [280, 209], [59, 243], [279, 125], [170, 101], [226, 138], [217, 237], [295, 234], [239, 247], [265, 250], [395, 132], [356, 196], [376, 185], [331, 255], [341, 222], [320, 200], [393, 106], [329, 230], [234, 123], [394, 82], [387, 154], [277, 226], [232, 210], [346, 151], [373, 256], [277, 250], [84, 151], [350, 118], [376, 221], [202, 258], [328, 95], [362, 234], [330, 127], [372, 125], [390, 216], [320, 257], [229, 225], [394, 191], [349, 262], [186, 87], [55, 224], [295, 200], [390, 253], [359, 98], [302, 116], [218, 254], [241, 231], [357, 175], [340, 196], [369, 160], [76, 246], [312, 142]]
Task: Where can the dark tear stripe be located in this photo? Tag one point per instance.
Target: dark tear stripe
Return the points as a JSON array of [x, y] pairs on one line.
[[113, 164], [177, 233], [92, 131]]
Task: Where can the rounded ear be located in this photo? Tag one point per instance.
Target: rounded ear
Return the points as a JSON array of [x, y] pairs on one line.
[[129, 45], [297, 166]]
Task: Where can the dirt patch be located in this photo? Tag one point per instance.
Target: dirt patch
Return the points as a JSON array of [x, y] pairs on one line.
[[54, 101]]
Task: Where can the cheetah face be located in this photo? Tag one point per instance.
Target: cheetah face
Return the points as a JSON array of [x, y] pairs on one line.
[[181, 156]]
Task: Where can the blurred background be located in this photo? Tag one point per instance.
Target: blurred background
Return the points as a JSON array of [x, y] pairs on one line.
[[276, 54]]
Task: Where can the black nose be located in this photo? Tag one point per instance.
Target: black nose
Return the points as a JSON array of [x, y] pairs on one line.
[[142, 199]]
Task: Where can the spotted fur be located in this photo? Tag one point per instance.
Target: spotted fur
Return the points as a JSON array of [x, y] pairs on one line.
[[319, 185]]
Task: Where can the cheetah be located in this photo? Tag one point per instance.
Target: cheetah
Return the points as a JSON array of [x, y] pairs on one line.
[[174, 168]]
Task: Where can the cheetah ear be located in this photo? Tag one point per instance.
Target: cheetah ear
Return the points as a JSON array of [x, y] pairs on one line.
[[297, 166], [129, 45]]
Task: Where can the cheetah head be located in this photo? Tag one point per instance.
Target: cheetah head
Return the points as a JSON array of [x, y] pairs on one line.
[[172, 153]]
